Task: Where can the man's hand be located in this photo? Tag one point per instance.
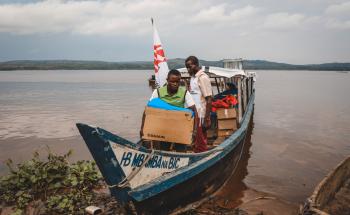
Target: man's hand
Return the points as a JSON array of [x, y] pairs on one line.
[[141, 133], [207, 123]]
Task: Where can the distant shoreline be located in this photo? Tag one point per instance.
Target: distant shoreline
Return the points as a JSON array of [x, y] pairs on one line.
[[148, 65]]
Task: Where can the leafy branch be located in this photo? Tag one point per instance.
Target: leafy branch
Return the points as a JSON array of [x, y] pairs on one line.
[[61, 187]]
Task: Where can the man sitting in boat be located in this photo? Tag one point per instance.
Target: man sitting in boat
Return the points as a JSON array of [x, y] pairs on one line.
[[175, 95]]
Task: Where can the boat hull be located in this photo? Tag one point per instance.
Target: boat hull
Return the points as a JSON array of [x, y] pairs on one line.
[[205, 173], [332, 194], [194, 189]]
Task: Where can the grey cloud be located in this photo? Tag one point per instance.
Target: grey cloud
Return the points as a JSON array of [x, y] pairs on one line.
[[219, 14], [342, 8], [83, 17], [283, 21], [293, 31], [337, 16]]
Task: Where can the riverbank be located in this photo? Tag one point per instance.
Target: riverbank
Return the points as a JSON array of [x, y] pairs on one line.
[[253, 203], [148, 65]]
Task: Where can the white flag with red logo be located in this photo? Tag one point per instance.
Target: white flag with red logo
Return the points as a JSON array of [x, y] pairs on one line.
[[161, 68]]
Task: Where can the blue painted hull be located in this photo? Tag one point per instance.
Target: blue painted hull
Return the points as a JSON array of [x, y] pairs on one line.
[[205, 173], [195, 188]]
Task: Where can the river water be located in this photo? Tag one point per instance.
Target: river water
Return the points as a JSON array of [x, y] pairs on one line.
[[300, 130]]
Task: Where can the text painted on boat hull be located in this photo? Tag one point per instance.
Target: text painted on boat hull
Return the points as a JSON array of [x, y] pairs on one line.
[[156, 161]]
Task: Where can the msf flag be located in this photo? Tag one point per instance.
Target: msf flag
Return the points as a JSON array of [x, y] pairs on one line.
[[161, 68]]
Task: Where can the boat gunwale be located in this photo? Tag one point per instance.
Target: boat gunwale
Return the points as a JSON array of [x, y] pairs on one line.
[[135, 146], [314, 198]]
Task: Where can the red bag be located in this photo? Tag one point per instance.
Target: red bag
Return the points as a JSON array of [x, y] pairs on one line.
[[200, 143]]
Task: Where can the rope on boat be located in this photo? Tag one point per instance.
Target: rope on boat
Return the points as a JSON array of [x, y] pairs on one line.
[[126, 181], [240, 154], [98, 132]]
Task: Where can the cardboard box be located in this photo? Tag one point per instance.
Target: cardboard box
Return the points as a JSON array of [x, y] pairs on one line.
[[211, 133], [225, 133], [218, 141], [168, 126], [227, 124], [229, 113]]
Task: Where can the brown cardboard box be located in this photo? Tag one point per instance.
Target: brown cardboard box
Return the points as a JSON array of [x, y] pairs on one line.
[[218, 141], [211, 133], [225, 133], [227, 124], [168, 126], [229, 113]]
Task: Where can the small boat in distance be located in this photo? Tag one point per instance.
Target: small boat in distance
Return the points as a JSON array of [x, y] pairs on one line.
[[332, 194], [152, 81], [158, 181]]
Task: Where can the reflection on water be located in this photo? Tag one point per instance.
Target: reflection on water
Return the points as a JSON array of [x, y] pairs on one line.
[[302, 130], [50, 108], [230, 195], [39, 108], [301, 122], [236, 182]]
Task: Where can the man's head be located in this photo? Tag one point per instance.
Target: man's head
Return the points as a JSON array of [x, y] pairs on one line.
[[231, 86], [174, 77], [192, 65]]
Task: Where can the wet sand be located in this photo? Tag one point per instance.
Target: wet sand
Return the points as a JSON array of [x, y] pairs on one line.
[[251, 202]]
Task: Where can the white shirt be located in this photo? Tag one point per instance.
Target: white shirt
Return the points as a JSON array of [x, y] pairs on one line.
[[200, 88], [188, 98]]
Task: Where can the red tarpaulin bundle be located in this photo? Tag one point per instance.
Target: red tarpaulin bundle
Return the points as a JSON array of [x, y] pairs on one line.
[[226, 102]]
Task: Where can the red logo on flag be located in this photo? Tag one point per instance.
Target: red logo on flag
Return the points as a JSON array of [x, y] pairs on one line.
[[159, 57]]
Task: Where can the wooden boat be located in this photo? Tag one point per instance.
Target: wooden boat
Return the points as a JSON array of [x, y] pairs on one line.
[[158, 182], [332, 194]]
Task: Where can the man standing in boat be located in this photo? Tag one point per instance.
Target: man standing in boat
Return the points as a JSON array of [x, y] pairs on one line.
[[200, 89]]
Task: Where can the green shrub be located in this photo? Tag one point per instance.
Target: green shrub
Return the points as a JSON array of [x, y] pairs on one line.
[[61, 186]]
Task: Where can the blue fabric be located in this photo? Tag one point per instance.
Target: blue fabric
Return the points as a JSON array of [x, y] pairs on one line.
[[158, 103], [225, 93]]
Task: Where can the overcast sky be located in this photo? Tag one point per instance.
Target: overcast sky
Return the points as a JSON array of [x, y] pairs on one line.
[[290, 31]]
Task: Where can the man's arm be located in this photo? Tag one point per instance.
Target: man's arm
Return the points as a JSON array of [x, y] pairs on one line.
[[154, 95], [205, 87], [189, 103], [208, 100], [195, 118], [142, 124]]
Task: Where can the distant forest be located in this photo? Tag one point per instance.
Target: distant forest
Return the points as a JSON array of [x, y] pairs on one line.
[[145, 65]]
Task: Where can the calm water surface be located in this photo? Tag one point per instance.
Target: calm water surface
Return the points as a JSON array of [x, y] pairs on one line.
[[301, 124]]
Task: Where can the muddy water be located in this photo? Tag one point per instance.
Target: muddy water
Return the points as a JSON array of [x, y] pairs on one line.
[[301, 131], [301, 125]]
